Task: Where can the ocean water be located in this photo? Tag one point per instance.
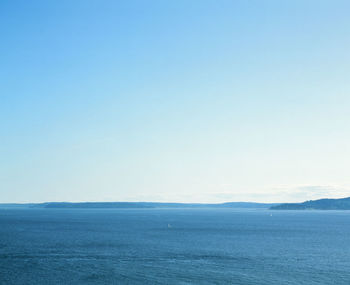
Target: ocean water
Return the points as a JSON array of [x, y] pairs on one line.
[[174, 246]]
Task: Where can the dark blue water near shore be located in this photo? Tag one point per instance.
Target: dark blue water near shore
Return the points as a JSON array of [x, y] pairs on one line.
[[174, 246]]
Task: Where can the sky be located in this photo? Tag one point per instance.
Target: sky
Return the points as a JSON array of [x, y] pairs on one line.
[[177, 101]]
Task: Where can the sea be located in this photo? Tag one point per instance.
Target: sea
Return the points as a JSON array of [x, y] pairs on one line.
[[174, 246]]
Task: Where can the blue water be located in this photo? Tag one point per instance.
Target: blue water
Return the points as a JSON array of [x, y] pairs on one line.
[[174, 246]]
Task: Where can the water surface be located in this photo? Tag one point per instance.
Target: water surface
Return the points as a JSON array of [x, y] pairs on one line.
[[174, 246]]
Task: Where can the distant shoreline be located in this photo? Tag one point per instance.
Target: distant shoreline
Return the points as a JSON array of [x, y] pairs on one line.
[[132, 205], [321, 204]]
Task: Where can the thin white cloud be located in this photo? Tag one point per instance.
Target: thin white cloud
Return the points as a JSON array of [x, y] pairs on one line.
[[282, 193]]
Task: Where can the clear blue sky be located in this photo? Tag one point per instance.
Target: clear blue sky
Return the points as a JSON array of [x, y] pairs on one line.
[[203, 101]]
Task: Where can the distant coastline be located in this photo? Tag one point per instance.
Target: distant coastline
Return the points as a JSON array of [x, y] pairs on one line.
[[321, 204], [109, 205]]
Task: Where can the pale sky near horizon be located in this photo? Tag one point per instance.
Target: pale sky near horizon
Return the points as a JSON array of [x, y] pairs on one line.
[[183, 101]]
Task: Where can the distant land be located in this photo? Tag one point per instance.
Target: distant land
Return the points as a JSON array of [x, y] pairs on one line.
[[104, 205], [321, 204]]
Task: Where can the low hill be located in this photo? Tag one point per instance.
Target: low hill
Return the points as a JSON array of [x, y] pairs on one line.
[[322, 204]]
